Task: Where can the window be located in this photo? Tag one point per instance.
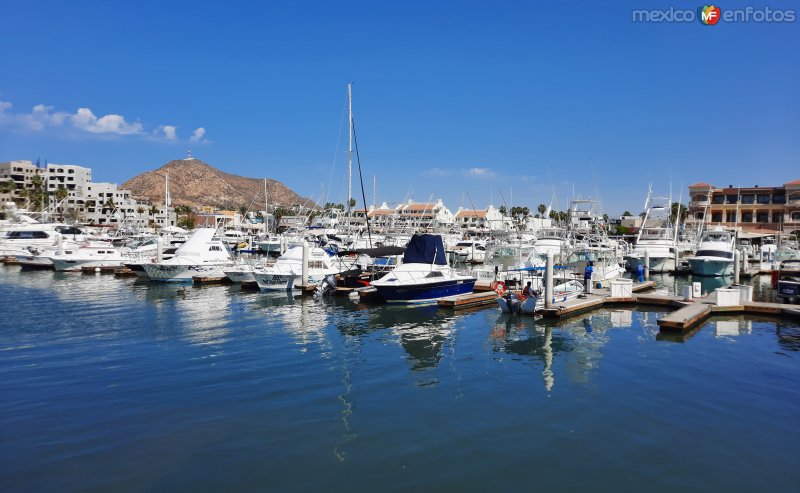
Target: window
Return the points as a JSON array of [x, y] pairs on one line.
[[748, 199], [731, 199], [762, 217], [777, 217], [71, 171], [762, 199], [730, 217], [716, 217], [796, 216], [779, 199], [718, 199], [747, 217]]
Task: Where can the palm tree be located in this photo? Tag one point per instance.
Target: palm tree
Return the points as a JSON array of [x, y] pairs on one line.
[[7, 186], [60, 195], [542, 209]]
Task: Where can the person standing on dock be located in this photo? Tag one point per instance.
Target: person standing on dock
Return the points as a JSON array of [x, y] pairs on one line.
[[640, 272], [587, 277]]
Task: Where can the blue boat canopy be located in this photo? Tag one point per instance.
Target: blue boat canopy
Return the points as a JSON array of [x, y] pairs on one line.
[[425, 249]]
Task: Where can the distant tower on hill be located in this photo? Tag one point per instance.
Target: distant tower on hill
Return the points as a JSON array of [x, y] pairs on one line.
[[189, 156]]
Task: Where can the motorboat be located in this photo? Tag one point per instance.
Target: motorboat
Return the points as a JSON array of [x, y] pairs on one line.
[[655, 239], [424, 275], [517, 303], [201, 255], [286, 273], [714, 255], [91, 254]]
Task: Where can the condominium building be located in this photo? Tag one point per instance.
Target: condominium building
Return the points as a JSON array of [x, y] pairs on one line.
[[21, 174], [753, 209]]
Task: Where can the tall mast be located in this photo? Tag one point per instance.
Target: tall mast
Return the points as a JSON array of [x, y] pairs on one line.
[[349, 145], [167, 200], [266, 207]]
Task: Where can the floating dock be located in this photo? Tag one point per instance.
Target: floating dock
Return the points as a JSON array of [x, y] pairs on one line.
[[479, 298], [597, 298]]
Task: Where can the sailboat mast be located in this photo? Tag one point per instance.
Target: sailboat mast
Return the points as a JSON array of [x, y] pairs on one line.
[[266, 207], [349, 145], [167, 200]]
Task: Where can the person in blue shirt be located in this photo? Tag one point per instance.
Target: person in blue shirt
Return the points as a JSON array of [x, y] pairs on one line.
[[587, 277], [640, 272]]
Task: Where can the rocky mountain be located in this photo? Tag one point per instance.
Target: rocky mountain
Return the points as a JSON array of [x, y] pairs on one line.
[[195, 183]]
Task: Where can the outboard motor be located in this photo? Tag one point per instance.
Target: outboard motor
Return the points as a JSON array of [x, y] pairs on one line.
[[326, 287]]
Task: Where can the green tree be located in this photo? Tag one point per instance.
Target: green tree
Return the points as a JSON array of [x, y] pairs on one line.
[[674, 212], [332, 205], [352, 203], [7, 186], [626, 213], [503, 210], [541, 209], [60, 194]]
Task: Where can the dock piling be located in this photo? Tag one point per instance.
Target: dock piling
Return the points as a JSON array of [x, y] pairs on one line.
[[737, 263], [646, 264], [548, 280], [305, 265]]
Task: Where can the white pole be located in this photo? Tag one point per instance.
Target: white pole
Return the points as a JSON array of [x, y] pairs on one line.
[[349, 146], [548, 279], [736, 265], [159, 250], [60, 243], [646, 264], [304, 271]]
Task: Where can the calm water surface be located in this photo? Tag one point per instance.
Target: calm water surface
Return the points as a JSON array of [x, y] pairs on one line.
[[117, 385]]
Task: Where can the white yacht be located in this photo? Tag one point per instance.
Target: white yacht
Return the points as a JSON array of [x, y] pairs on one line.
[[201, 255], [714, 255], [286, 273], [88, 254], [656, 237]]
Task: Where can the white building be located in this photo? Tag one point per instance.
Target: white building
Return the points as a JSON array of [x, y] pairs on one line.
[[476, 221], [21, 173]]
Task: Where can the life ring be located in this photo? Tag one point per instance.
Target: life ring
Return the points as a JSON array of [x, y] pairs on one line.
[[522, 296], [498, 287]]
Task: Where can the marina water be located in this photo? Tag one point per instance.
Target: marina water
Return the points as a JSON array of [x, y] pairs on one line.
[[119, 385]]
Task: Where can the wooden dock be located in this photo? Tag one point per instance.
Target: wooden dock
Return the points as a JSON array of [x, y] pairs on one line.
[[469, 300], [693, 313], [203, 280], [597, 298]]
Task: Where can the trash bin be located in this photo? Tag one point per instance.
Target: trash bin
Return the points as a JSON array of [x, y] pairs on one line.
[[686, 292], [621, 288]]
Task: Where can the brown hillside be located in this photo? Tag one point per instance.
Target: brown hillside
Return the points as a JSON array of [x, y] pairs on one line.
[[195, 183]]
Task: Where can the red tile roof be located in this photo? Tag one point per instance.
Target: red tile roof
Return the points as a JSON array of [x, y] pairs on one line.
[[793, 183], [701, 185]]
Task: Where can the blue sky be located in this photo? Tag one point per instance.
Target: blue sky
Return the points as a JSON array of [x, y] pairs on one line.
[[463, 100]]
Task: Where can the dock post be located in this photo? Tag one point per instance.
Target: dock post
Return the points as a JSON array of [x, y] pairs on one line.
[[159, 250], [646, 264], [60, 243], [744, 264], [548, 281], [305, 265], [737, 262], [677, 259]]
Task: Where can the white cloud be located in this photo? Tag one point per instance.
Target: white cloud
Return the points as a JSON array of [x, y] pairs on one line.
[[198, 135], [116, 124], [167, 131], [42, 117], [481, 172], [436, 172]]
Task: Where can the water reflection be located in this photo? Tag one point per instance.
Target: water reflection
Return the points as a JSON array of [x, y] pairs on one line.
[[732, 328]]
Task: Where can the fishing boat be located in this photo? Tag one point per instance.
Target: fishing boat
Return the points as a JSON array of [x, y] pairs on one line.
[[424, 275], [286, 273], [656, 237], [92, 254], [714, 255], [201, 255]]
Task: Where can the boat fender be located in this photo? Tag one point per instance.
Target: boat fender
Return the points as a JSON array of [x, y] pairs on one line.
[[498, 287]]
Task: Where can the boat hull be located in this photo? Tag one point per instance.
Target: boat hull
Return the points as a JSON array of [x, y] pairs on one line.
[[711, 267], [76, 265], [182, 273], [657, 264], [425, 293]]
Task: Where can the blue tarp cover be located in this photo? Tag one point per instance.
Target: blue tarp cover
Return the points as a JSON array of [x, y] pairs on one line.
[[423, 249]]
